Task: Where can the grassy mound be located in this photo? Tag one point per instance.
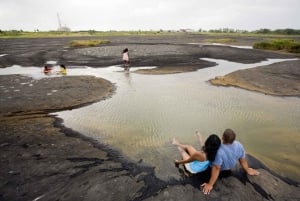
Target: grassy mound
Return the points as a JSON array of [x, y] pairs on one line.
[[279, 44], [88, 43], [221, 40]]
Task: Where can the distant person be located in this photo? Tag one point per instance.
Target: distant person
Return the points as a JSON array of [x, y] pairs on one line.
[[196, 161], [63, 69], [126, 61], [227, 156], [47, 69]]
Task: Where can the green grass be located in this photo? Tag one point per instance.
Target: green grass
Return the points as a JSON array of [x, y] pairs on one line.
[[279, 44], [48, 34], [221, 40], [53, 34], [88, 43]]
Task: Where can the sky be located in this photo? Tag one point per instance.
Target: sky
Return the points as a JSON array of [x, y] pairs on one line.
[[106, 15]]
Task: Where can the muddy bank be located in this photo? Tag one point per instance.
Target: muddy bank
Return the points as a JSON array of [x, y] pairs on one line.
[[50, 94], [170, 53], [163, 51], [279, 79]]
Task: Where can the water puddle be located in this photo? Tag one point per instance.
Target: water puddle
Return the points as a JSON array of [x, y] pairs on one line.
[[147, 111]]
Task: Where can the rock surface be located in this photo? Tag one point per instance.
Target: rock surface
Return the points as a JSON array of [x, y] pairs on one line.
[[42, 160], [279, 79]]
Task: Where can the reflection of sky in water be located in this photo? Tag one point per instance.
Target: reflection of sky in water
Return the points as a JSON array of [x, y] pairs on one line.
[[147, 111]]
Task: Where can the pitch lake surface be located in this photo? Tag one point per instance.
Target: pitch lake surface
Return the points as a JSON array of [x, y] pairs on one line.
[[147, 111]]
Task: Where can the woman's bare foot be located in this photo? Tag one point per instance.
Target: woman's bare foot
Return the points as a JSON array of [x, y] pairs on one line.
[[199, 136], [175, 142]]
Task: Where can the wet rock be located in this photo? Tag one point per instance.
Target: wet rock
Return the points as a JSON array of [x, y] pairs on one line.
[[280, 79]]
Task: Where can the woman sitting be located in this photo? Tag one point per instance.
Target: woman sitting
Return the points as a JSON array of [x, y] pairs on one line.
[[198, 161]]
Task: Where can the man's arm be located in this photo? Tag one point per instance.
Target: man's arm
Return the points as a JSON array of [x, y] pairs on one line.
[[245, 166], [207, 187]]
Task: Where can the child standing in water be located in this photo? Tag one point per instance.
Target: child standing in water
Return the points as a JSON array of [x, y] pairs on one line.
[[126, 59]]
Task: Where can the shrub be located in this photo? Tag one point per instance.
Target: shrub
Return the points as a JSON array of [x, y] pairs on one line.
[[294, 48], [221, 40], [88, 43], [279, 44]]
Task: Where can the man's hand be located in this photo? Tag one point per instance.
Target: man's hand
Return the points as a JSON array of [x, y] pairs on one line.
[[206, 188], [252, 172]]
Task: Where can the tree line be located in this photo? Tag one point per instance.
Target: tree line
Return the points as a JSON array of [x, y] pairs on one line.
[[287, 31]]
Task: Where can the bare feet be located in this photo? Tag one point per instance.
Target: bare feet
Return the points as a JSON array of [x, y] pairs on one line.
[[175, 141], [199, 136]]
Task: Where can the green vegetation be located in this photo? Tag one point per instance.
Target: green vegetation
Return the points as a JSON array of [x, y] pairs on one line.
[[38, 34], [88, 43], [279, 31], [221, 40], [223, 31], [279, 44], [260, 31], [53, 34]]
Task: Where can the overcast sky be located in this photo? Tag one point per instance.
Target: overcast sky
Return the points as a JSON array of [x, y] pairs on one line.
[[104, 15]]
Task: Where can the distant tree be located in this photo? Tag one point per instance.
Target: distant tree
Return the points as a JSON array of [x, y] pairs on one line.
[[263, 31], [287, 31], [91, 32]]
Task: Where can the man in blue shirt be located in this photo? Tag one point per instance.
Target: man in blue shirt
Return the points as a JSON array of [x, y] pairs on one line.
[[228, 154]]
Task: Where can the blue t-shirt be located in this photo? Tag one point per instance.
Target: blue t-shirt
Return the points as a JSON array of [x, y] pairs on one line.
[[228, 155]]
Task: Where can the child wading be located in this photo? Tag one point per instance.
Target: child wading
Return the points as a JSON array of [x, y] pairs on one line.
[[126, 59]]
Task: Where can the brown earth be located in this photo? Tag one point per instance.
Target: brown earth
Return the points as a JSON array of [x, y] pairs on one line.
[[43, 160]]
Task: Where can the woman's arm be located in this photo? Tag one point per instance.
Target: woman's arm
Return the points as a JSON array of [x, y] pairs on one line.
[[190, 159], [200, 156]]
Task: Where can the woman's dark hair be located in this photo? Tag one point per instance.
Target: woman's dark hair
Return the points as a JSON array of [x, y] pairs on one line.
[[125, 50], [211, 146]]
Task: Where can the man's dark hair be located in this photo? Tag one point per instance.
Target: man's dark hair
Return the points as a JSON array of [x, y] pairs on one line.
[[228, 136]]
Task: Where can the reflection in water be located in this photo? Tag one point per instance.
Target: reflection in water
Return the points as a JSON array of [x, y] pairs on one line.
[[147, 111]]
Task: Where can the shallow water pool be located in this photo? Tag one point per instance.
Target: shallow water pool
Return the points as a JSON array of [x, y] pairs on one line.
[[147, 111]]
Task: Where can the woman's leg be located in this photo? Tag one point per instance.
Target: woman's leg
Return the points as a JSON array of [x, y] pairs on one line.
[[184, 154], [188, 149]]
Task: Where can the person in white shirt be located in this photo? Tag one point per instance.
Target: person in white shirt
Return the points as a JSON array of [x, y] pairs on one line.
[[126, 61]]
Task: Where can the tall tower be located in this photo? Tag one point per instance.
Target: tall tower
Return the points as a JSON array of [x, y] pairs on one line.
[[59, 22], [60, 27]]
